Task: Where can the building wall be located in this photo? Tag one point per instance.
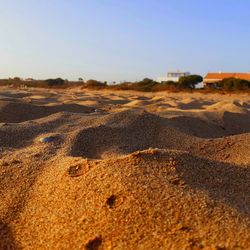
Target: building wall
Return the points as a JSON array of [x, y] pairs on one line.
[[207, 81], [172, 76], [166, 78]]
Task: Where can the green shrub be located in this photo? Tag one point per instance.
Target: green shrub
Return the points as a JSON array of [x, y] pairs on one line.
[[145, 85], [169, 83], [95, 84], [233, 84]]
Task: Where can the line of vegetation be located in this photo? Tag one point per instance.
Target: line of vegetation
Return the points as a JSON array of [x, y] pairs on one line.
[[186, 83], [233, 84]]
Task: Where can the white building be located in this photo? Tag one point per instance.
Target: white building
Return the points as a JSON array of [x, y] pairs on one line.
[[172, 76]]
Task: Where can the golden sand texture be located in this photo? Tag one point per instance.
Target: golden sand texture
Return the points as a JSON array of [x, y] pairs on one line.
[[124, 170]]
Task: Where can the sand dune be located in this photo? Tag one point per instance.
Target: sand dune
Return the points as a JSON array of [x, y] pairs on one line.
[[124, 170], [15, 112]]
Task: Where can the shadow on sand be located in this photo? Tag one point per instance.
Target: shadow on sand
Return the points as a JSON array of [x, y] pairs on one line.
[[7, 241], [226, 183]]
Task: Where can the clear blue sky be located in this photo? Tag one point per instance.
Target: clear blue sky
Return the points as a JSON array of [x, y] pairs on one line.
[[122, 39]]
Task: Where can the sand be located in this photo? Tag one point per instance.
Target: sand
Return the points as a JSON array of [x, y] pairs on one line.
[[124, 170]]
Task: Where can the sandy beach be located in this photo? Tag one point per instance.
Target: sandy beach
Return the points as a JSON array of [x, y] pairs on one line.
[[124, 170]]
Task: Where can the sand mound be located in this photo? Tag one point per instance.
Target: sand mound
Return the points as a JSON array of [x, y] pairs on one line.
[[126, 132], [137, 103], [189, 103], [24, 134], [236, 123], [197, 127], [17, 136], [147, 200], [18, 112], [233, 107], [170, 171], [231, 149]]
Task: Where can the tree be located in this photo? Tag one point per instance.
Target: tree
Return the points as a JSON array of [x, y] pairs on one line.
[[80, 79], [55, 82], [189, 81]]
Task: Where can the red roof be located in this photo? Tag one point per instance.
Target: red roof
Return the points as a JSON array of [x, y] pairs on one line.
[[221, 76]]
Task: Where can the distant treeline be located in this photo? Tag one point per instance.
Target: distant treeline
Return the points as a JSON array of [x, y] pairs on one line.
[[49, 83], [147, 85], [184, 83]]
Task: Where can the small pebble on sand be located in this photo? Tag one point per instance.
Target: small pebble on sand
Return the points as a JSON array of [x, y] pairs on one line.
[[47, 139]]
